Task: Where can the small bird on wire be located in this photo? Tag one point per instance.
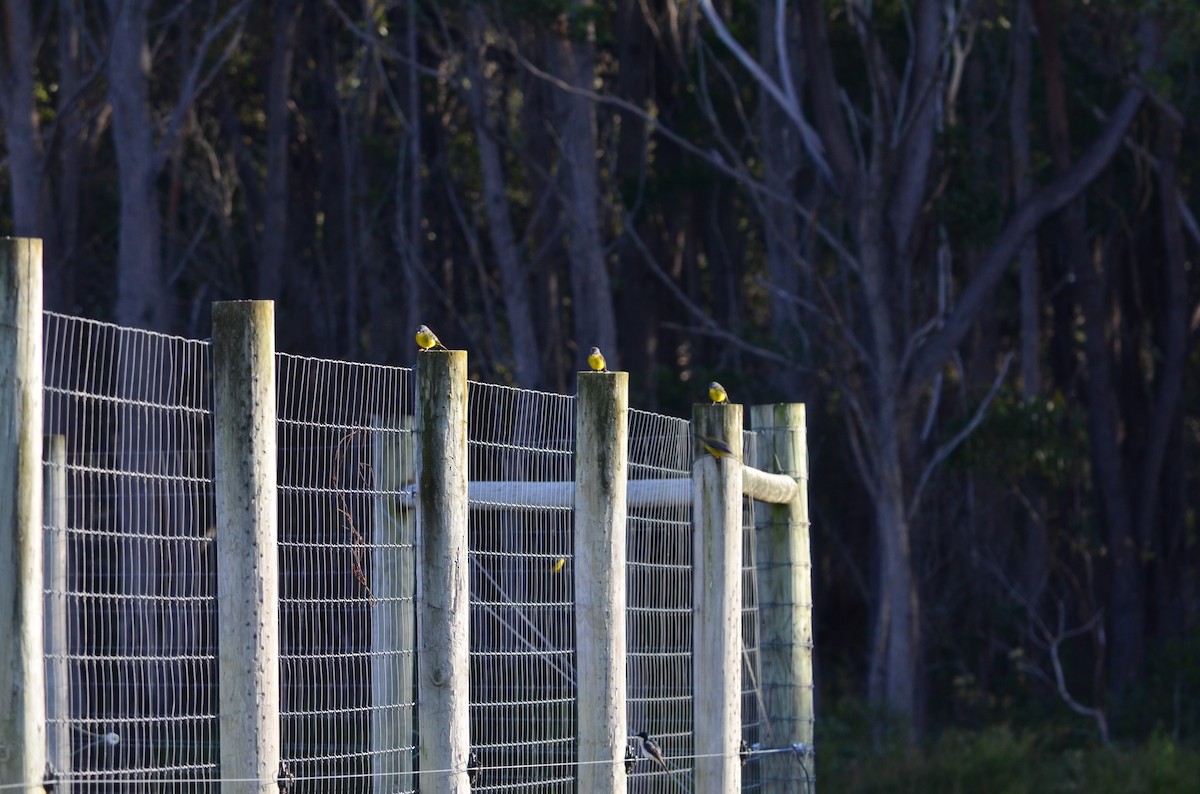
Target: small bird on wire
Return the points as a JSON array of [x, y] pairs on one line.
[[648, 748], [596, 360], [473, 767], [716, 447], [558, 565], [427, 339], [717, 393]]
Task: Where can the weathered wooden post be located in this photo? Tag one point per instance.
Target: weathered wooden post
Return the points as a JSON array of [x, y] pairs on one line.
[[443, 587], [247, 549], [54, 551], [22, 671], [601, 464], [717, 586], [393, 618], [785, 598]]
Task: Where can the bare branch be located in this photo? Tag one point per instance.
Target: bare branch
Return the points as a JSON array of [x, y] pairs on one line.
[[946, 449], [812, 141]]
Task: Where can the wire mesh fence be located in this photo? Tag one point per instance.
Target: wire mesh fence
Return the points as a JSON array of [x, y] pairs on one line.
[[659, 602], [131, 576], [523, 717], [347, 571], [129, 603]]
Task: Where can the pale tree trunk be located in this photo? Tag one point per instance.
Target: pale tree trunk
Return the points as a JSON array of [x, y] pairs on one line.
[[21, 133], [591, 292], [901, 336], [274, 249], [523, 337]]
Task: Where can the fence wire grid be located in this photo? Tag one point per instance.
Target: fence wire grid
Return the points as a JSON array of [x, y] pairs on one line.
[[347, 574], [131, 576], [129, 571]]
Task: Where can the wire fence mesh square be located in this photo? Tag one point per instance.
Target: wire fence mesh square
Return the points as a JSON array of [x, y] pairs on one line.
[[130, 581]]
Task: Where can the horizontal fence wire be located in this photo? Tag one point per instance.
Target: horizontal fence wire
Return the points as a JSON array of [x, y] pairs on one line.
[[659, 572], [347, 575], [522, 660], [130, 571]]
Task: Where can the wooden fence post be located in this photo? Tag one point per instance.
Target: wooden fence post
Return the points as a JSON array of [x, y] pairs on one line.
[[785, 598], [601, 464], [443, 587], [717, 586], [22, 667], [247, 544], [393, 618], [54, 550]]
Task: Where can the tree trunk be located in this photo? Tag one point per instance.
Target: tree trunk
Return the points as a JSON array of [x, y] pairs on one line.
[[275, 205], [1127, 591], [591, 292], [141, 298], [24, 161], [1166, 416], [781, 152], [1022, 175], [895, 631], [523, 337]]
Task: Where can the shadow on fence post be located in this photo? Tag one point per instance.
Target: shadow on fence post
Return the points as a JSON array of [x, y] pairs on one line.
[[601, 464], [443, 587], [785, 593], [247, 543], [717, 584], [22, 671]]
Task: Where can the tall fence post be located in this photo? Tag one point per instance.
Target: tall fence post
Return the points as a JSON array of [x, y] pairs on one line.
[[785, 598], [601, 467], [247, 544], [443, 587], [393, 618], [22, 671], [54, 551], [717, 585]]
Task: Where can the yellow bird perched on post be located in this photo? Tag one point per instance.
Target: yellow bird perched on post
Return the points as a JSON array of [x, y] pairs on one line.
[[596, 360], [717, 393], [427, 339], [716, 447]]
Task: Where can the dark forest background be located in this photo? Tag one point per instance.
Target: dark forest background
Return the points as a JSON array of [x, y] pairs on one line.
[[962, 231]]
